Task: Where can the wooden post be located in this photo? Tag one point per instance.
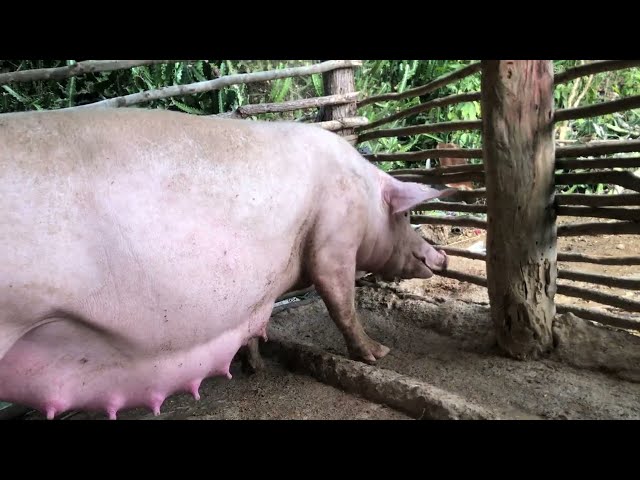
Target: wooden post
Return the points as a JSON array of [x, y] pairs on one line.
[[517, 116], [339, 82]]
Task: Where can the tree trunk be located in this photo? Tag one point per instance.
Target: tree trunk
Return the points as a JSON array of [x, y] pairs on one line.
[[339, 82], [519, 152]]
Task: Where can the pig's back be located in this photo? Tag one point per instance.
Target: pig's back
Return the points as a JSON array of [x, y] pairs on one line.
[[110, 210]]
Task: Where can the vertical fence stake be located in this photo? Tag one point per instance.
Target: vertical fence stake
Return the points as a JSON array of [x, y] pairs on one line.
[[338, 82], [519, 151]]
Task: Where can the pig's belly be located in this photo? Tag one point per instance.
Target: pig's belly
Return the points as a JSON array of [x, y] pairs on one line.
[[129, 326]]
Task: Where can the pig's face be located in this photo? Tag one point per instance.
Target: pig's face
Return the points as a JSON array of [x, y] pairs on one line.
[[411, 256]]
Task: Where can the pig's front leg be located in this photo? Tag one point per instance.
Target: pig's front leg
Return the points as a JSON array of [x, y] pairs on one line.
[[334, 279]]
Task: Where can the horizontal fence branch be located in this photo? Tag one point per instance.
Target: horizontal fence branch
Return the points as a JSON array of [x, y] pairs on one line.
[[455, 222], [439, 170], [595, 228], [450, 207], [291, 105], [596, 110], [606, 280], [425, 154], [218, 83], [468, 195], [348, 122], [589, 149], [632, 214], [624, 179], [441, 179], [463, 277], [604, 200], [600, 297], [622, 162], [425, 107], [75, 70], [593, 68], [588, 163], [599, 259], [599, 148], [429, 87], [417, 129], [461, 252], [599, 316]]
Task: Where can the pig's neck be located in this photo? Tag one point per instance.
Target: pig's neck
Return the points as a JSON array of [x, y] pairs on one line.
[[377, 246]]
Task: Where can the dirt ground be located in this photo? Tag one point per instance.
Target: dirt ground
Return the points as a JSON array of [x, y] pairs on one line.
[[442, 335]]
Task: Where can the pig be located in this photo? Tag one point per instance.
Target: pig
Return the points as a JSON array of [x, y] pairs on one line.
[[142, 248]]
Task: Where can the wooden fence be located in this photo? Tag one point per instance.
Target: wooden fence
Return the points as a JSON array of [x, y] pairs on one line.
[[338, 113], [621, 207]]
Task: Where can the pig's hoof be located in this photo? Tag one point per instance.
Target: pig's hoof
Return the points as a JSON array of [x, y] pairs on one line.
[[368, 351], [252, 362]]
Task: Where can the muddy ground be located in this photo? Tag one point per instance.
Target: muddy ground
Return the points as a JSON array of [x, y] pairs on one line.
[[442, 335]]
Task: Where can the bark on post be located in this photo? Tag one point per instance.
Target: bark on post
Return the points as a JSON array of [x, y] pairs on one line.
[[519, 152], [339, 82]]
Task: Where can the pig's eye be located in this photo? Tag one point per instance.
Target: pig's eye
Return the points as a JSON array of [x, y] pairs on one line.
[[406, 214]]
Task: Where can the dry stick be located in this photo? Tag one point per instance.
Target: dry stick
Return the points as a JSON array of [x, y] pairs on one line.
[[410, 395], [604, 298], [458, 221], [600, 260], [606, 280], [80, 68], [598, 148], [593, 68], [352, 139], [594, 212], [424, 107], [451, 207], [624, 179], [207, 86], [614, 228], [599, 316], [414, 130], [348, 122], [603, 108], [248, 110], [429, 87], [425, 154], [620, 162]]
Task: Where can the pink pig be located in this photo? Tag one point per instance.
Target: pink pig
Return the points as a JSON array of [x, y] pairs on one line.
[[142, 248]]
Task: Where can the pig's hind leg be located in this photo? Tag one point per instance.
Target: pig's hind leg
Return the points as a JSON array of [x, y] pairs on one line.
[[250, 358]]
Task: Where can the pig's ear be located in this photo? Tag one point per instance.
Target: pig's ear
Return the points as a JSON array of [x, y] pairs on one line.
[[402, 196]]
